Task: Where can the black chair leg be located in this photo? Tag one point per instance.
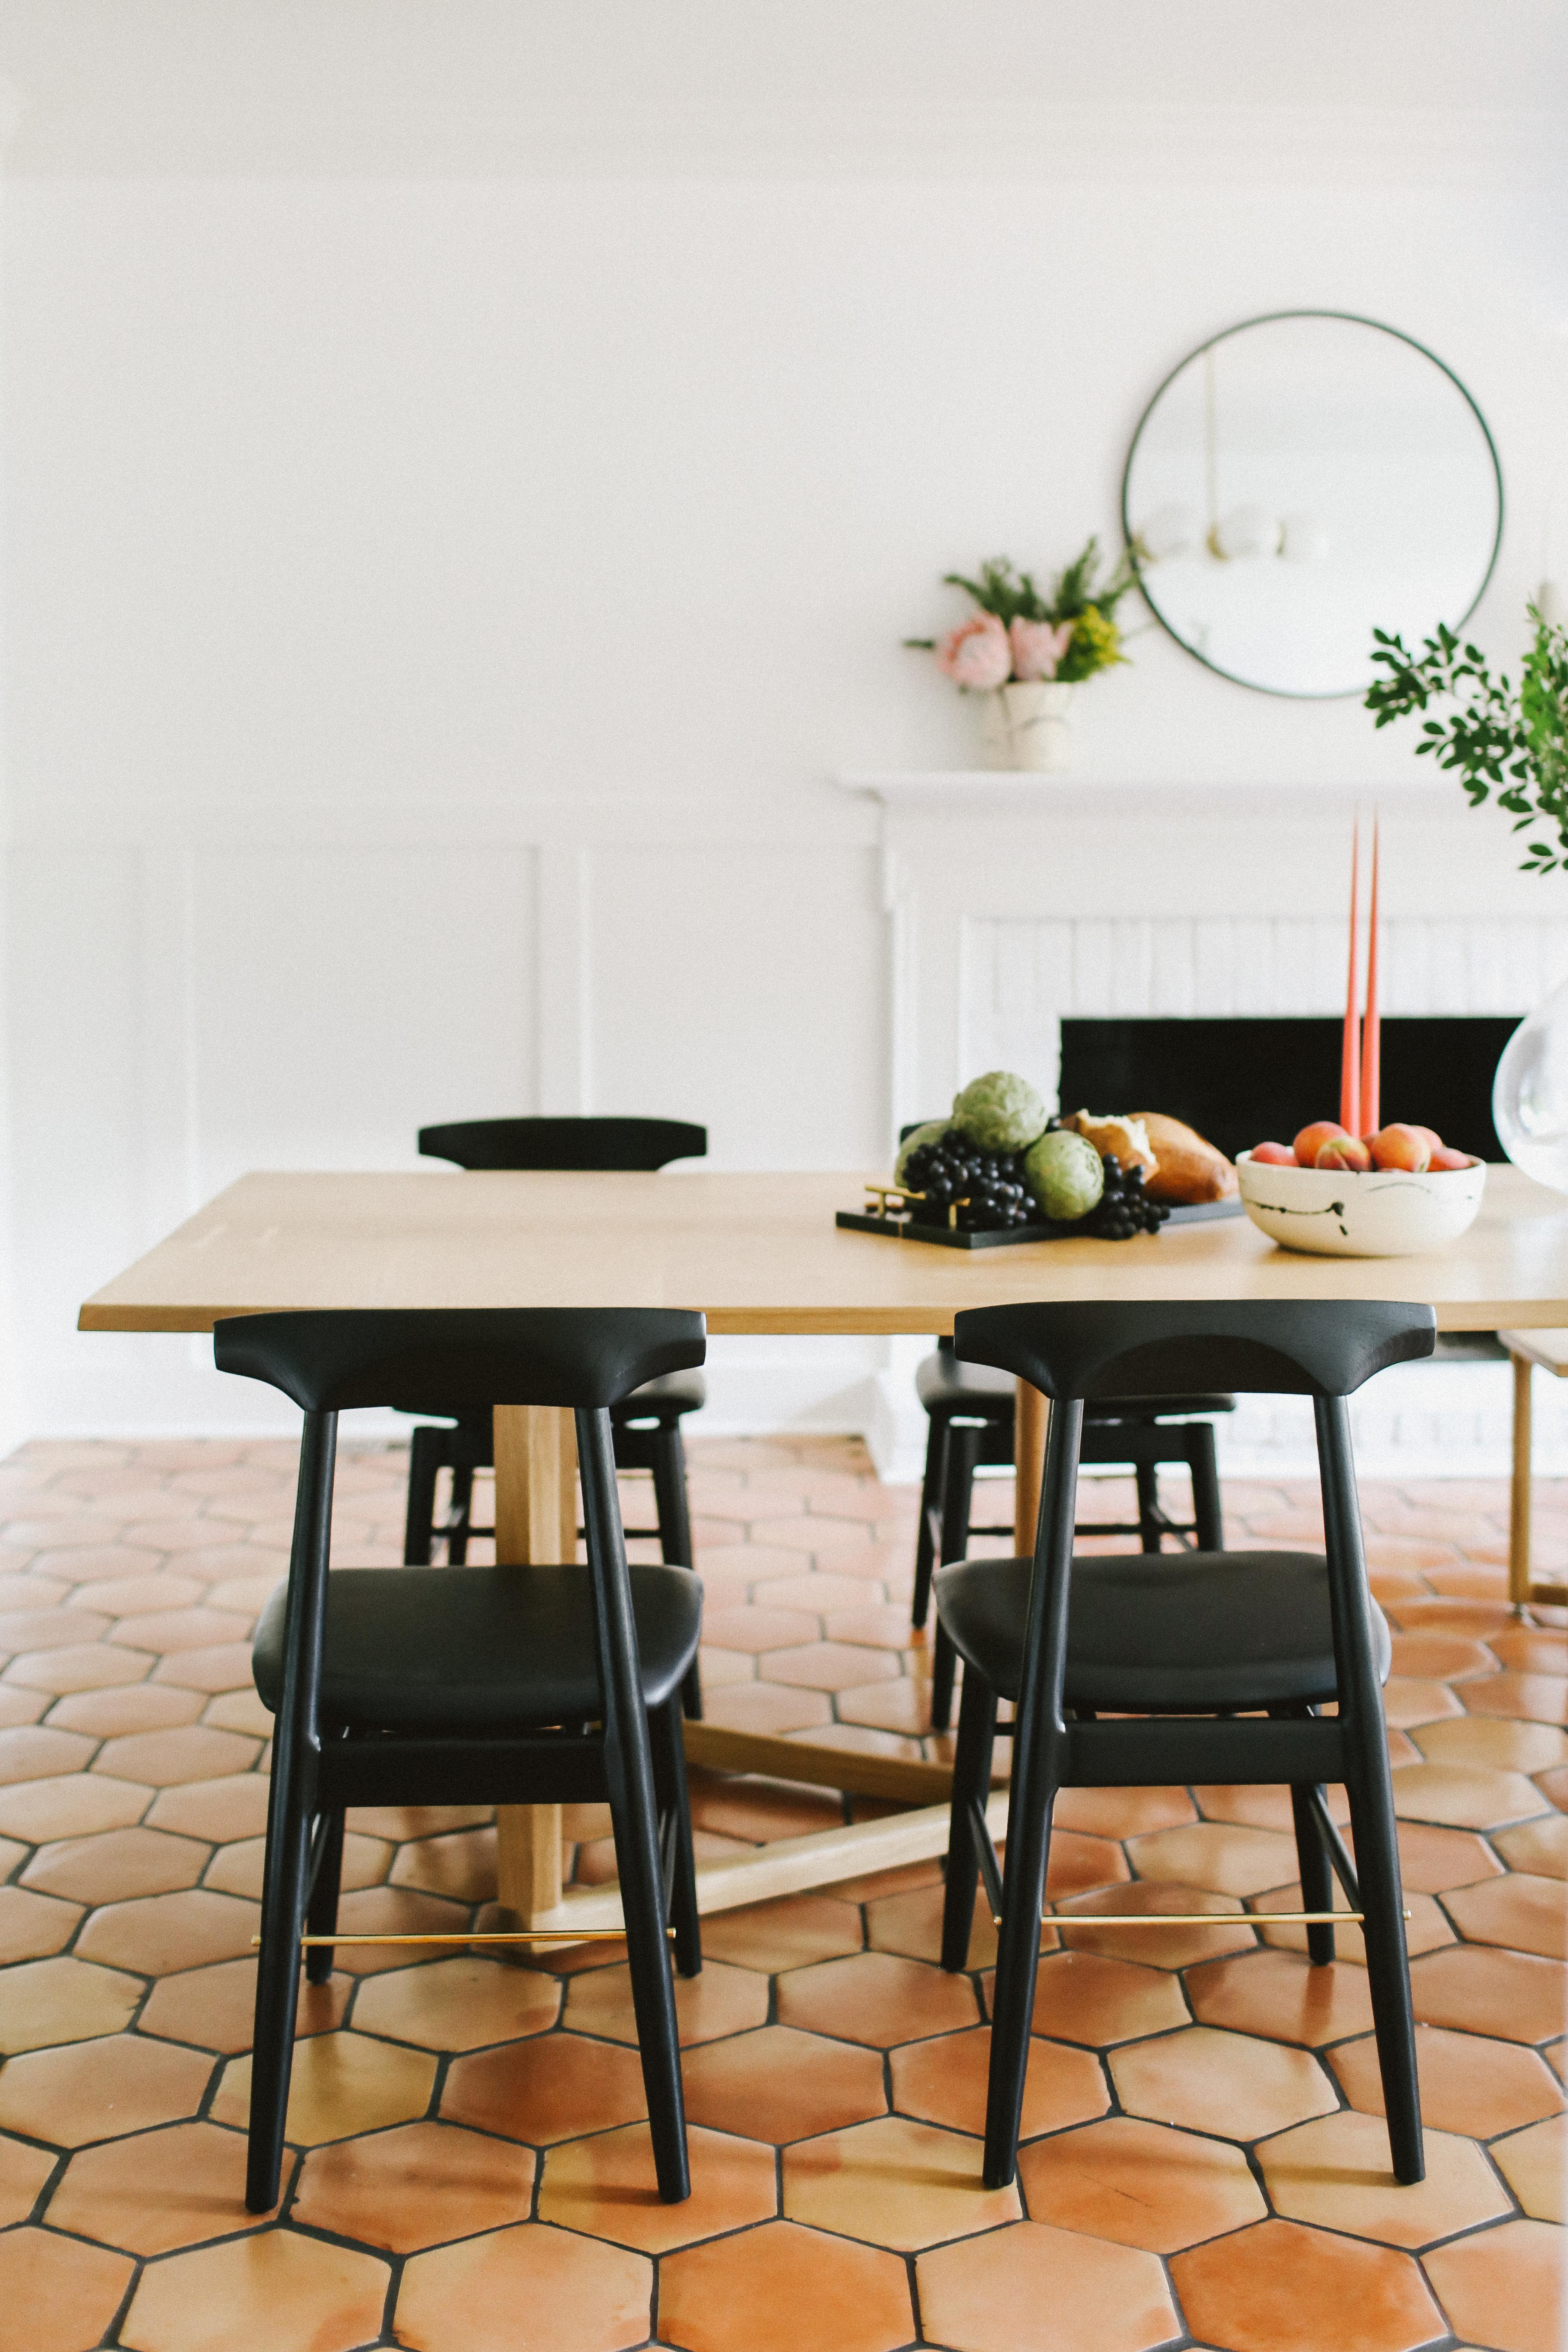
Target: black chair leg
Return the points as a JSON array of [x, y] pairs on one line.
[[460, 1514], [926, 1562], [1388, 1975], [677, 1826], [425, 1451], [1206, 1513], [277, 1988], [1316, 1874], [1030, 1804], [963, 1453], [1150, 1532], [321, 1909], [673, 1513], [970, 1784]]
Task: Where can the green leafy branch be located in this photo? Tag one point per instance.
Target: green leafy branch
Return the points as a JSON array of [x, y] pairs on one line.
[[1506, 744], [1013, 595]]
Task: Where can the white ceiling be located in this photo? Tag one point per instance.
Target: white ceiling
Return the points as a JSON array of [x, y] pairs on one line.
[[1302, 89]]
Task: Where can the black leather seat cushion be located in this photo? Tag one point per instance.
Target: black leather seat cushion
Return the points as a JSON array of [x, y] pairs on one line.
[[464, 1649], [944, 1385], [1150, 1633], [665, 1399]]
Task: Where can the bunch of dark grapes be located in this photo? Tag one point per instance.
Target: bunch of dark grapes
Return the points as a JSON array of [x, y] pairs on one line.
[[989, 1183], [1123, 1208]]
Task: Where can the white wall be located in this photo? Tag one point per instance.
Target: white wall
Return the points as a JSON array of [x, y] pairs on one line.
[[437, 607]]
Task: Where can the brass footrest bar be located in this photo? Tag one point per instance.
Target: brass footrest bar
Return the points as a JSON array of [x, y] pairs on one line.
[[522, 1936], [1198, 1919]]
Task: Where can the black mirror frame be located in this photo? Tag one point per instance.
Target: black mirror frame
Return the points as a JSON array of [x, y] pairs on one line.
[[1269, 318]]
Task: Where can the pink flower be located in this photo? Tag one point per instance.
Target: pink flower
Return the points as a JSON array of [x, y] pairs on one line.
[[1037, 647], [976, 654]]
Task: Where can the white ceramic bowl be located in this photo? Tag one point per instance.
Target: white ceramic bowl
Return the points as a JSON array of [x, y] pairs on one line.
[[1334, 1213]]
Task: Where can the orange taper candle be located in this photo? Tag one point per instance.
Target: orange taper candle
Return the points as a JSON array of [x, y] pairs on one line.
[[1371, 1036], [1349, 1057]]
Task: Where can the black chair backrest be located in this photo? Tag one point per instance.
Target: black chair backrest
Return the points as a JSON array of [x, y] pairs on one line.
[[586, 1356], [1303, 1347], [567, 1144]]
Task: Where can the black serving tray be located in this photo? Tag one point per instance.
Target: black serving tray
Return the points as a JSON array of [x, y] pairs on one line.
[[1202, 1212]]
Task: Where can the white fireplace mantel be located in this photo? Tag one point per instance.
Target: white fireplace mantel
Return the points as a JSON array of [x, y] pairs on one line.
[[995, 792]]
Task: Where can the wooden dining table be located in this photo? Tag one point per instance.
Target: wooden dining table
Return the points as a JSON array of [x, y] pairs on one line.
[[756, 1254]]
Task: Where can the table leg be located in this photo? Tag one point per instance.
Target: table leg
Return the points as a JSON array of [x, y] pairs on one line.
[[1031, 1421], [536, 1521], [1518, 1494]]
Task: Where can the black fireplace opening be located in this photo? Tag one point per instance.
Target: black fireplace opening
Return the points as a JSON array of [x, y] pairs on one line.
[[1245, 1081]]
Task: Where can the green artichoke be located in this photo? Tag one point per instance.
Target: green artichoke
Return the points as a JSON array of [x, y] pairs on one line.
[[999, 1112]]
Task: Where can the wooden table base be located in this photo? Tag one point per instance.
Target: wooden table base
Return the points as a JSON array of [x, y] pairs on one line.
[[536, 1520]]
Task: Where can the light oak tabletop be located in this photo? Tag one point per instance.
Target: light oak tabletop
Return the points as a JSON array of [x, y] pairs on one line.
[[758, 1254]]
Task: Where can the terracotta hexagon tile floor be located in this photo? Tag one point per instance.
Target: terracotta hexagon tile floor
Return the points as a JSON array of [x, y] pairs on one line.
[[1204, 2160]]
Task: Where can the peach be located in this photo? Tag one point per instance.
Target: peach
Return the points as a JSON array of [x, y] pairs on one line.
[[1344, 1151], [1400, 1146], [1434, 1141], [1311, 1139], [1274, 1155], [1446, 1157]]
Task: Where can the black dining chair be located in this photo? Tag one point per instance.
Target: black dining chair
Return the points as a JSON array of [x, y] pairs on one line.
[[1132, 1671], [645, 1427], [970, 1412], [472, 1686]]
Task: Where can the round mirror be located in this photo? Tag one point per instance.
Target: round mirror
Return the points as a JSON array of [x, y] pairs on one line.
[[1300, 480]]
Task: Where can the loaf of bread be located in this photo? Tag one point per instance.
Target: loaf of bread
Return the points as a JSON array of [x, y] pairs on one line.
[[1190, 1169], [1119, 1137]]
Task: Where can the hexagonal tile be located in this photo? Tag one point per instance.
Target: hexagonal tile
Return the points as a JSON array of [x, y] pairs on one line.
[[1527, 1914], [721, 2000], [1539, 1847], [394, 1911], [778, 2083], [31, 1926], [115, 1865], [1432, 1860], [215, 2008], [556, 2087], [167, 1758], [1337, 2173], [23, 2172], [1469, 2083], [1259, 1806], [1542, 1697], [1267, 2289], [1140, 2183], [239, 1867], [467, 2297], [37, 1630], [1216, 1855], [156, 2191], [343, 2082], [275, 2287], [874, 1998], [1463, 1796], [1426, 1924], [767, 1707], [1232, 2084], [132, 1706], [894, 2183], [231, 1805], [789, 1932], [1036, 2289], [1533, 2164], [943, 2081], [63, 2000], [1503, 2287], [1282, 1997], [460, 1864], [781, 2288], [418, 2185], [1493, 1743], [1087, 1998], [76, 1804], [604, 2187], [1481, 1989], [57, 2294], [156, 1934], [459, 2004], [91, 1666], [87, 2090]]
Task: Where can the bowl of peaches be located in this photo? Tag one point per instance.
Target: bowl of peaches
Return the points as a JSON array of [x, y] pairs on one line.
[[1397, 1193]]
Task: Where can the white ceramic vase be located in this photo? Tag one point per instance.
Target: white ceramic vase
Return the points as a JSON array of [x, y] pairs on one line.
[[1027, 725]]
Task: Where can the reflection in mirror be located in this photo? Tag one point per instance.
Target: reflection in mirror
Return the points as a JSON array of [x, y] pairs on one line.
[[1301, 481]]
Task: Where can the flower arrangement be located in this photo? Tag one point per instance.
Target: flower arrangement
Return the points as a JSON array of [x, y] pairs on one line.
[[1512, 741], [1018, 636]]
